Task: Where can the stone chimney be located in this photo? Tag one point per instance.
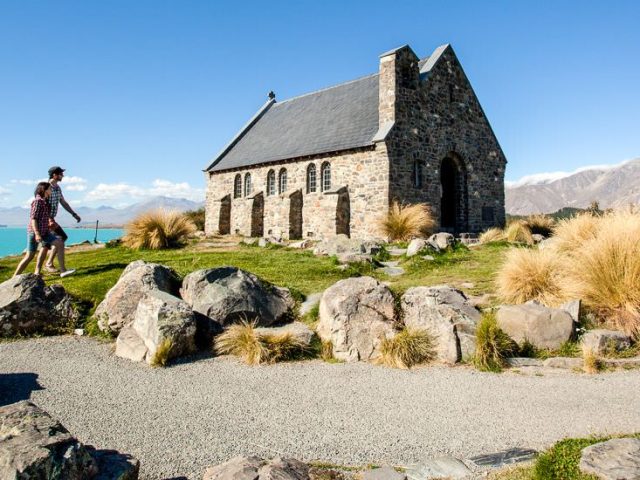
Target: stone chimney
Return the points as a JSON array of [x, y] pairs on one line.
[[398, 73]]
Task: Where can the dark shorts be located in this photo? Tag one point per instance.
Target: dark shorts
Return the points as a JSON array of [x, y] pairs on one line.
[[60, 233], [47, 241]]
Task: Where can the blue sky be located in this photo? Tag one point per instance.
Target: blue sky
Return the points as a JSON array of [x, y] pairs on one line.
[[134, 97]]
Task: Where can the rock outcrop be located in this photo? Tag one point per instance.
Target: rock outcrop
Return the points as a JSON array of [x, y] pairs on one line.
[[355, 315], [447, 314], [256, 468], [228, 295], [28, 306], [601, 341], [614, 459], [341, 244], [119, 306]]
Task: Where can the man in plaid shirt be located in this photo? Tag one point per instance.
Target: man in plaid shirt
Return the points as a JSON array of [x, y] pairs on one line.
[[55, 199]]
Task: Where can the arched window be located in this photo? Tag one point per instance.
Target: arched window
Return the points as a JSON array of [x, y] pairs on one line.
[[326, 177], [247, 185], [417, 174], [271, 183], [282, 180], [237, 186], [311, 178]]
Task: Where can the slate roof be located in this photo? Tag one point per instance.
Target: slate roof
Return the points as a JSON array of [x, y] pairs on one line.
[[333, 119]]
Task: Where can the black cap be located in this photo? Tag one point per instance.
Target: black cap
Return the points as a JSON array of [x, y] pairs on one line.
[[54, 170]]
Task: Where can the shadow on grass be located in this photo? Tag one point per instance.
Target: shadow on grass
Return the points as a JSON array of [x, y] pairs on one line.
[[15, 387], [107, 267]]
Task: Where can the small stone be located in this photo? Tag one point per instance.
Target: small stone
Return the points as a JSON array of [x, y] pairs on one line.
[[572, 307], [415, 246], [429, 258], [467, 285], [383, 473], [568, 363], [441, 467], [617, 459], [602, 342], [506, 457], [392, 271], [79, 332], [517, 362], [397, 252]]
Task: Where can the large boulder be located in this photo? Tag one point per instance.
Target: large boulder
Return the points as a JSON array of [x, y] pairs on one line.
[[447, 314], [256, 468], [161, 321], [28, 306], [119, 306], [615, 459], [541, 326], [601, 342], [35, 446], [228, 295], [355, 315], [417, 245], [341, 244], [441, 241]]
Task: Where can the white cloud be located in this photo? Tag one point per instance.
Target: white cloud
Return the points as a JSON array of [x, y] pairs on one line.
[[31, 183], [4, 191], [548, 177], [74, 184], [124, 193]]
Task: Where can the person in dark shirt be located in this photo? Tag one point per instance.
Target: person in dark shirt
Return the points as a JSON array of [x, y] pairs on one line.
[[38, 232]]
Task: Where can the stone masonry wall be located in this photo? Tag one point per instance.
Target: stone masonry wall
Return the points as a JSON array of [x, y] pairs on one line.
[[364, 173], [437, 118]]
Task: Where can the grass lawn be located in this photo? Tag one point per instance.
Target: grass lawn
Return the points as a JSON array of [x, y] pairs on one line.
[[301, 271]]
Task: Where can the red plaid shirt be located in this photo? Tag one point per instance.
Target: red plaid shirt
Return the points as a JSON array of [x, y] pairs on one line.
[[40, 211]]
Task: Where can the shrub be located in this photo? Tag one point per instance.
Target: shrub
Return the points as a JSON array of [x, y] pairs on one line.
[[158, 229], [404, 222], [518, 232], [492, 235], [241, 340], [605, 271], [407, 348], [197, 217], [530, 275], [592, 363], [570, 234], [161, 357], [493, 346], [540, 224], [561, 461]]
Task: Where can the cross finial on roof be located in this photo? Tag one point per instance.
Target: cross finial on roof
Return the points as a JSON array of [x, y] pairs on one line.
[[272, 96]]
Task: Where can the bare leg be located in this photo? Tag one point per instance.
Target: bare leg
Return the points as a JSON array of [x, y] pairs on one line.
[[40, 259], [24, 262], [52, 253], [58, 247]]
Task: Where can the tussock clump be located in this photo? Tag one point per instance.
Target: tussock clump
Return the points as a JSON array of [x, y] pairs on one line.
[[592, 363], [493, 346], [518, 232], [161, 357], [408, 348], [492, 235], [540, 224], [570, 234], [404, 222], [241, 340], [531, 275], [158, 229]]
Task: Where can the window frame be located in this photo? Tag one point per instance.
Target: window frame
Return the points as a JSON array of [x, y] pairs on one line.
[[312, 183], [271, 182], [248, 187], [325, 179], [237, 186], [282, 185]]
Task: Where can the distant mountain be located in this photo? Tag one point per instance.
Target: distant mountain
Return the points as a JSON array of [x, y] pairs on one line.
[[611, 187], [18, 216]]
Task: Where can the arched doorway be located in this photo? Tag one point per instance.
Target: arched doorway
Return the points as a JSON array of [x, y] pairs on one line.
[[454, 200], [224, 220], [295, 215], [343, 213], [257, 216]]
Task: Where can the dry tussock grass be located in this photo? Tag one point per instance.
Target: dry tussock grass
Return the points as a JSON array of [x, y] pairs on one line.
[[241, 340], [518, 232], [531, 275], [405, 222], [492, 235], [408, 348], [570, 234], [540, 224], [158, 229]]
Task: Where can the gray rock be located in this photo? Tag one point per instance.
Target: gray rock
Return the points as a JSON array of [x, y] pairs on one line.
[[397, 252], [130, 345], [441, 467], [416, 246], [339, 244], [617, 459], [537, 238], [573, 308], [355, 315], [302, 244], [447, 314], [516, 362], [383, 473], [311, 301], [601, 341], [441, 241], [504, 458], [34, 445], [119, 306], [392, 271], [228, 295], [113, 465], [351, 257], [568, 363], [249, 240], [298, 330], [160, 318], [256, 468], [28, 306], [429, 258], [542, 326]]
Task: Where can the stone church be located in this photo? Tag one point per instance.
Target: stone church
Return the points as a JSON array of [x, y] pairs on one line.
[[333, 161]]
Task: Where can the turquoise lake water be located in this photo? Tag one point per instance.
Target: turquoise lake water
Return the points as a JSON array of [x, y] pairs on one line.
[[13, 241]]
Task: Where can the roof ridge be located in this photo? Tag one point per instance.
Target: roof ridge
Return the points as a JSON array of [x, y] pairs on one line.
[[326, 88]]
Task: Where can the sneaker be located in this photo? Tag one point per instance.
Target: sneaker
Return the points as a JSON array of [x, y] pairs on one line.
[[51, 269], [66, 273]]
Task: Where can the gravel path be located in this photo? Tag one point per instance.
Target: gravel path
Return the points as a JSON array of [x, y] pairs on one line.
[[180, 419]]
